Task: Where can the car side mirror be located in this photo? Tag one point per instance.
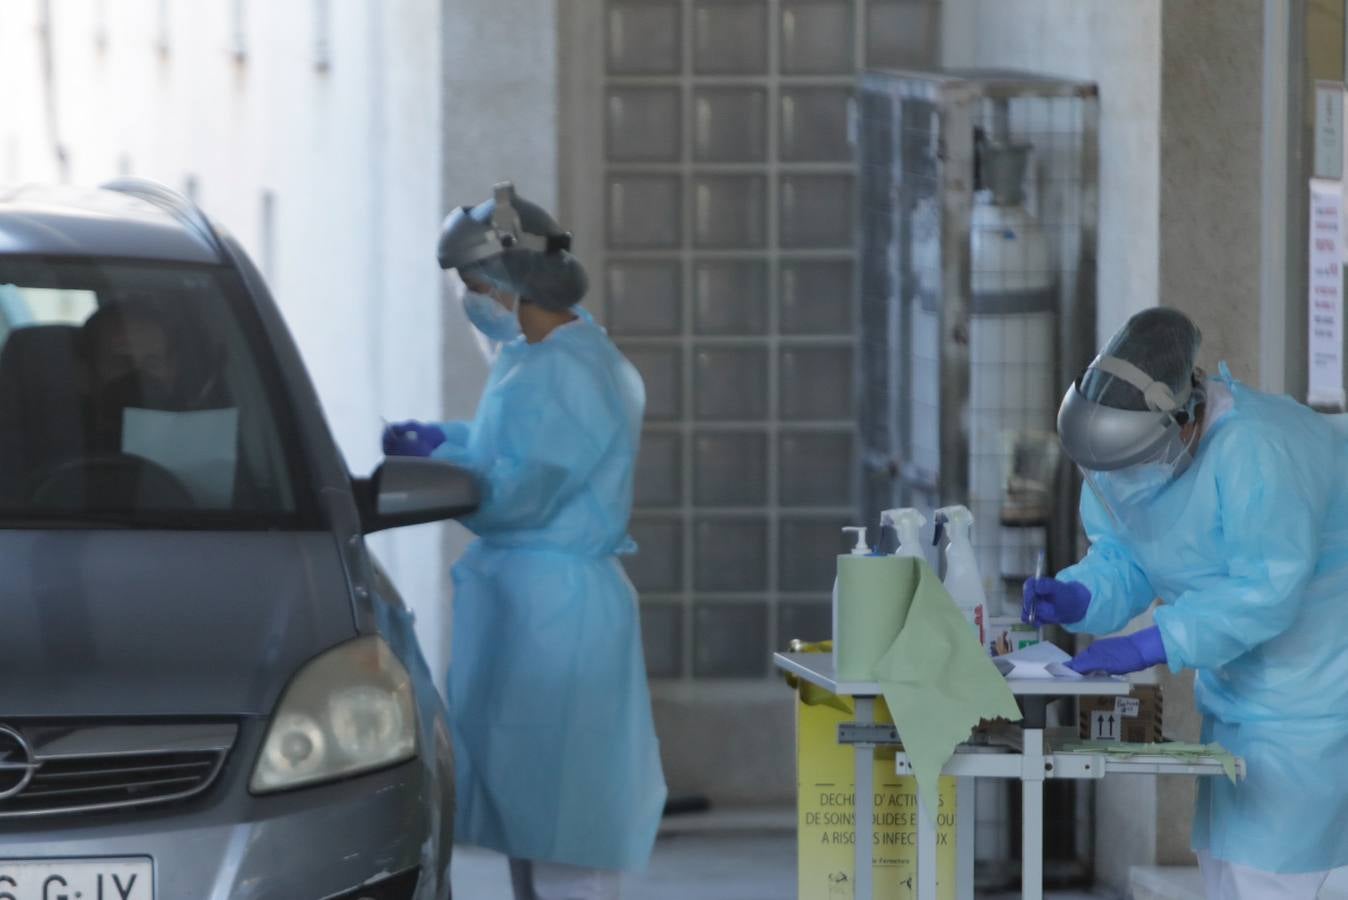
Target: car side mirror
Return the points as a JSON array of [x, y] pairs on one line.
[[407, 490]]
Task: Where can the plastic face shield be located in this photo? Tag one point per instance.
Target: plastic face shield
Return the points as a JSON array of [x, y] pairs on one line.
[[1127, 456]]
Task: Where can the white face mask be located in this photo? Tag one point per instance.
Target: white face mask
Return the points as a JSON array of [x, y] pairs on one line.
[[1128, 494], [491, 318], [1136, 484]]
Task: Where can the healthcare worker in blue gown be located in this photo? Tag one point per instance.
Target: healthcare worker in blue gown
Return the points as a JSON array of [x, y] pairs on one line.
[[557, 761], [1230, 506]]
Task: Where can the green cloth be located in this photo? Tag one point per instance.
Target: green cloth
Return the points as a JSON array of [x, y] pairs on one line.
[[1188, 753], [939, 683]]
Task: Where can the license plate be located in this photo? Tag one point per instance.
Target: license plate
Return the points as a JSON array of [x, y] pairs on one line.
[[77, 879]]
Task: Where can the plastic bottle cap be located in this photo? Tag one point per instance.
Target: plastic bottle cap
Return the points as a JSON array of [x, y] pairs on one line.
[[860, 549], [957, 521]]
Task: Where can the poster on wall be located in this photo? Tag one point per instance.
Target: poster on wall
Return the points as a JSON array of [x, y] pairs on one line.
[[1326, 294], [1329, 141], [826, 806]]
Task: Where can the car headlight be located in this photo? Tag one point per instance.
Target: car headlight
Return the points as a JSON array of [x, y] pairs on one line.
[[349, 711]]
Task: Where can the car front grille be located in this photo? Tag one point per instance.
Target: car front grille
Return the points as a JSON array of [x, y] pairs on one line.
[[97, 768]]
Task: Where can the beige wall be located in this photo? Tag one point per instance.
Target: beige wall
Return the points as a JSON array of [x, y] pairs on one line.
[[1210, 251], [1210, 165]]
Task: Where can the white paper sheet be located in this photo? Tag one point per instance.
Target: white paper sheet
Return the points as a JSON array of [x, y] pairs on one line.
[[1326, 294], [200, 448], [1041, 661], [1328, 153]]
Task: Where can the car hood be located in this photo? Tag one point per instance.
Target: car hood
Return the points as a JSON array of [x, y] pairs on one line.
[[140, 623]]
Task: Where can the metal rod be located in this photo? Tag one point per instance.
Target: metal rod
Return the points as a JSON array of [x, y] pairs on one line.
[[926, 852], [1032, 817], [1001, 120], [1274, 185], [957, 177], [965, 825], [863, 800]]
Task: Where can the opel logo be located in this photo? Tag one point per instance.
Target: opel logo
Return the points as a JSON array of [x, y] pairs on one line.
[[16, 763]]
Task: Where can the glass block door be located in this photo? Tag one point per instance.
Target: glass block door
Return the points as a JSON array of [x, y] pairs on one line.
[[730, 209]]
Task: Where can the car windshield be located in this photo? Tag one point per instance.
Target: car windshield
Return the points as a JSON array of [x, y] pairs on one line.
[[134, 394]]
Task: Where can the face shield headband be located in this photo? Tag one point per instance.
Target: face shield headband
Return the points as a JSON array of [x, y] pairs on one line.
[[466, 240]]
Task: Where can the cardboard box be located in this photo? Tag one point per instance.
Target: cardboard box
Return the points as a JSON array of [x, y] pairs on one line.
[[1007, 634], [1135, 719], [825, 800]]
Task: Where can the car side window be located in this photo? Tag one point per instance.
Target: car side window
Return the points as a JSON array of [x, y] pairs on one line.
[[136, 391]]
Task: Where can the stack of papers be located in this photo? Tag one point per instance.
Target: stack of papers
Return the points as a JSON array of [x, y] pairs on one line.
[[1042, 661], [1187, 753]]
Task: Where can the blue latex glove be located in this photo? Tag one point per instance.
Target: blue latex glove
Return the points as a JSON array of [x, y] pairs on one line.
[[1121, 655], [411, 438], [1049, 601]]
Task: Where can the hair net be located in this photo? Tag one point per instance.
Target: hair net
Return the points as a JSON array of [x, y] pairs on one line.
[[554, 280], [1161, 342]]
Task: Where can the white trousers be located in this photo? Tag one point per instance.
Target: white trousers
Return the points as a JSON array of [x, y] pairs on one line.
[[1230, 881], [554, 881]]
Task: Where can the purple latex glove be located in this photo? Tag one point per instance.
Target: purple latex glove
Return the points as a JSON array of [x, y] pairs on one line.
[[1049, 601], [1121, 655], [412, 438]]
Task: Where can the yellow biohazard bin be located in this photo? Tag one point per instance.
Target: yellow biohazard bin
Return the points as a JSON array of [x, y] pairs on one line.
[[825, 807]]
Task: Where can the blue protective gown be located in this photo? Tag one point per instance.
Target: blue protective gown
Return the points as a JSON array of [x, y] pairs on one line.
[[1248, 551], [555, 749]]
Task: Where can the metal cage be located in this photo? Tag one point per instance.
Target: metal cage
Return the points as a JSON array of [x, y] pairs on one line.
[[978, 201], [978, 213]]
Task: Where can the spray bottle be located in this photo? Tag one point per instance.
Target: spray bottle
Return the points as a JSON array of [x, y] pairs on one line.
[[907, 524], [962, 580]]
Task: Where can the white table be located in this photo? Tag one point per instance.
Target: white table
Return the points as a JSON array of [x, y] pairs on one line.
[[1030, 766]]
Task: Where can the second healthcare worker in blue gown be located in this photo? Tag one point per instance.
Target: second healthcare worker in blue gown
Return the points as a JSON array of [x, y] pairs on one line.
[[557, 761], [1231, 507]]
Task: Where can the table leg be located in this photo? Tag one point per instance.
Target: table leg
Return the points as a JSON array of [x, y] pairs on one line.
[[1032, 817], [965, 825], [926, 853], [864, 805]]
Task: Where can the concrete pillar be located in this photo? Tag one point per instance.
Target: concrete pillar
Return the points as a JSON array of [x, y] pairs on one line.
[[499, 122], [1211, 152], [1211, 82]]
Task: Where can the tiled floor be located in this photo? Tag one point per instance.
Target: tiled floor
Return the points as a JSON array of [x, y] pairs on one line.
[[751, 855], [706, 867], [1179, 883], [734, 864]]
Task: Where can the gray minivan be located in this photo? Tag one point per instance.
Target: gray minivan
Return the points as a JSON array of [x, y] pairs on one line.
[[208, 686]]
